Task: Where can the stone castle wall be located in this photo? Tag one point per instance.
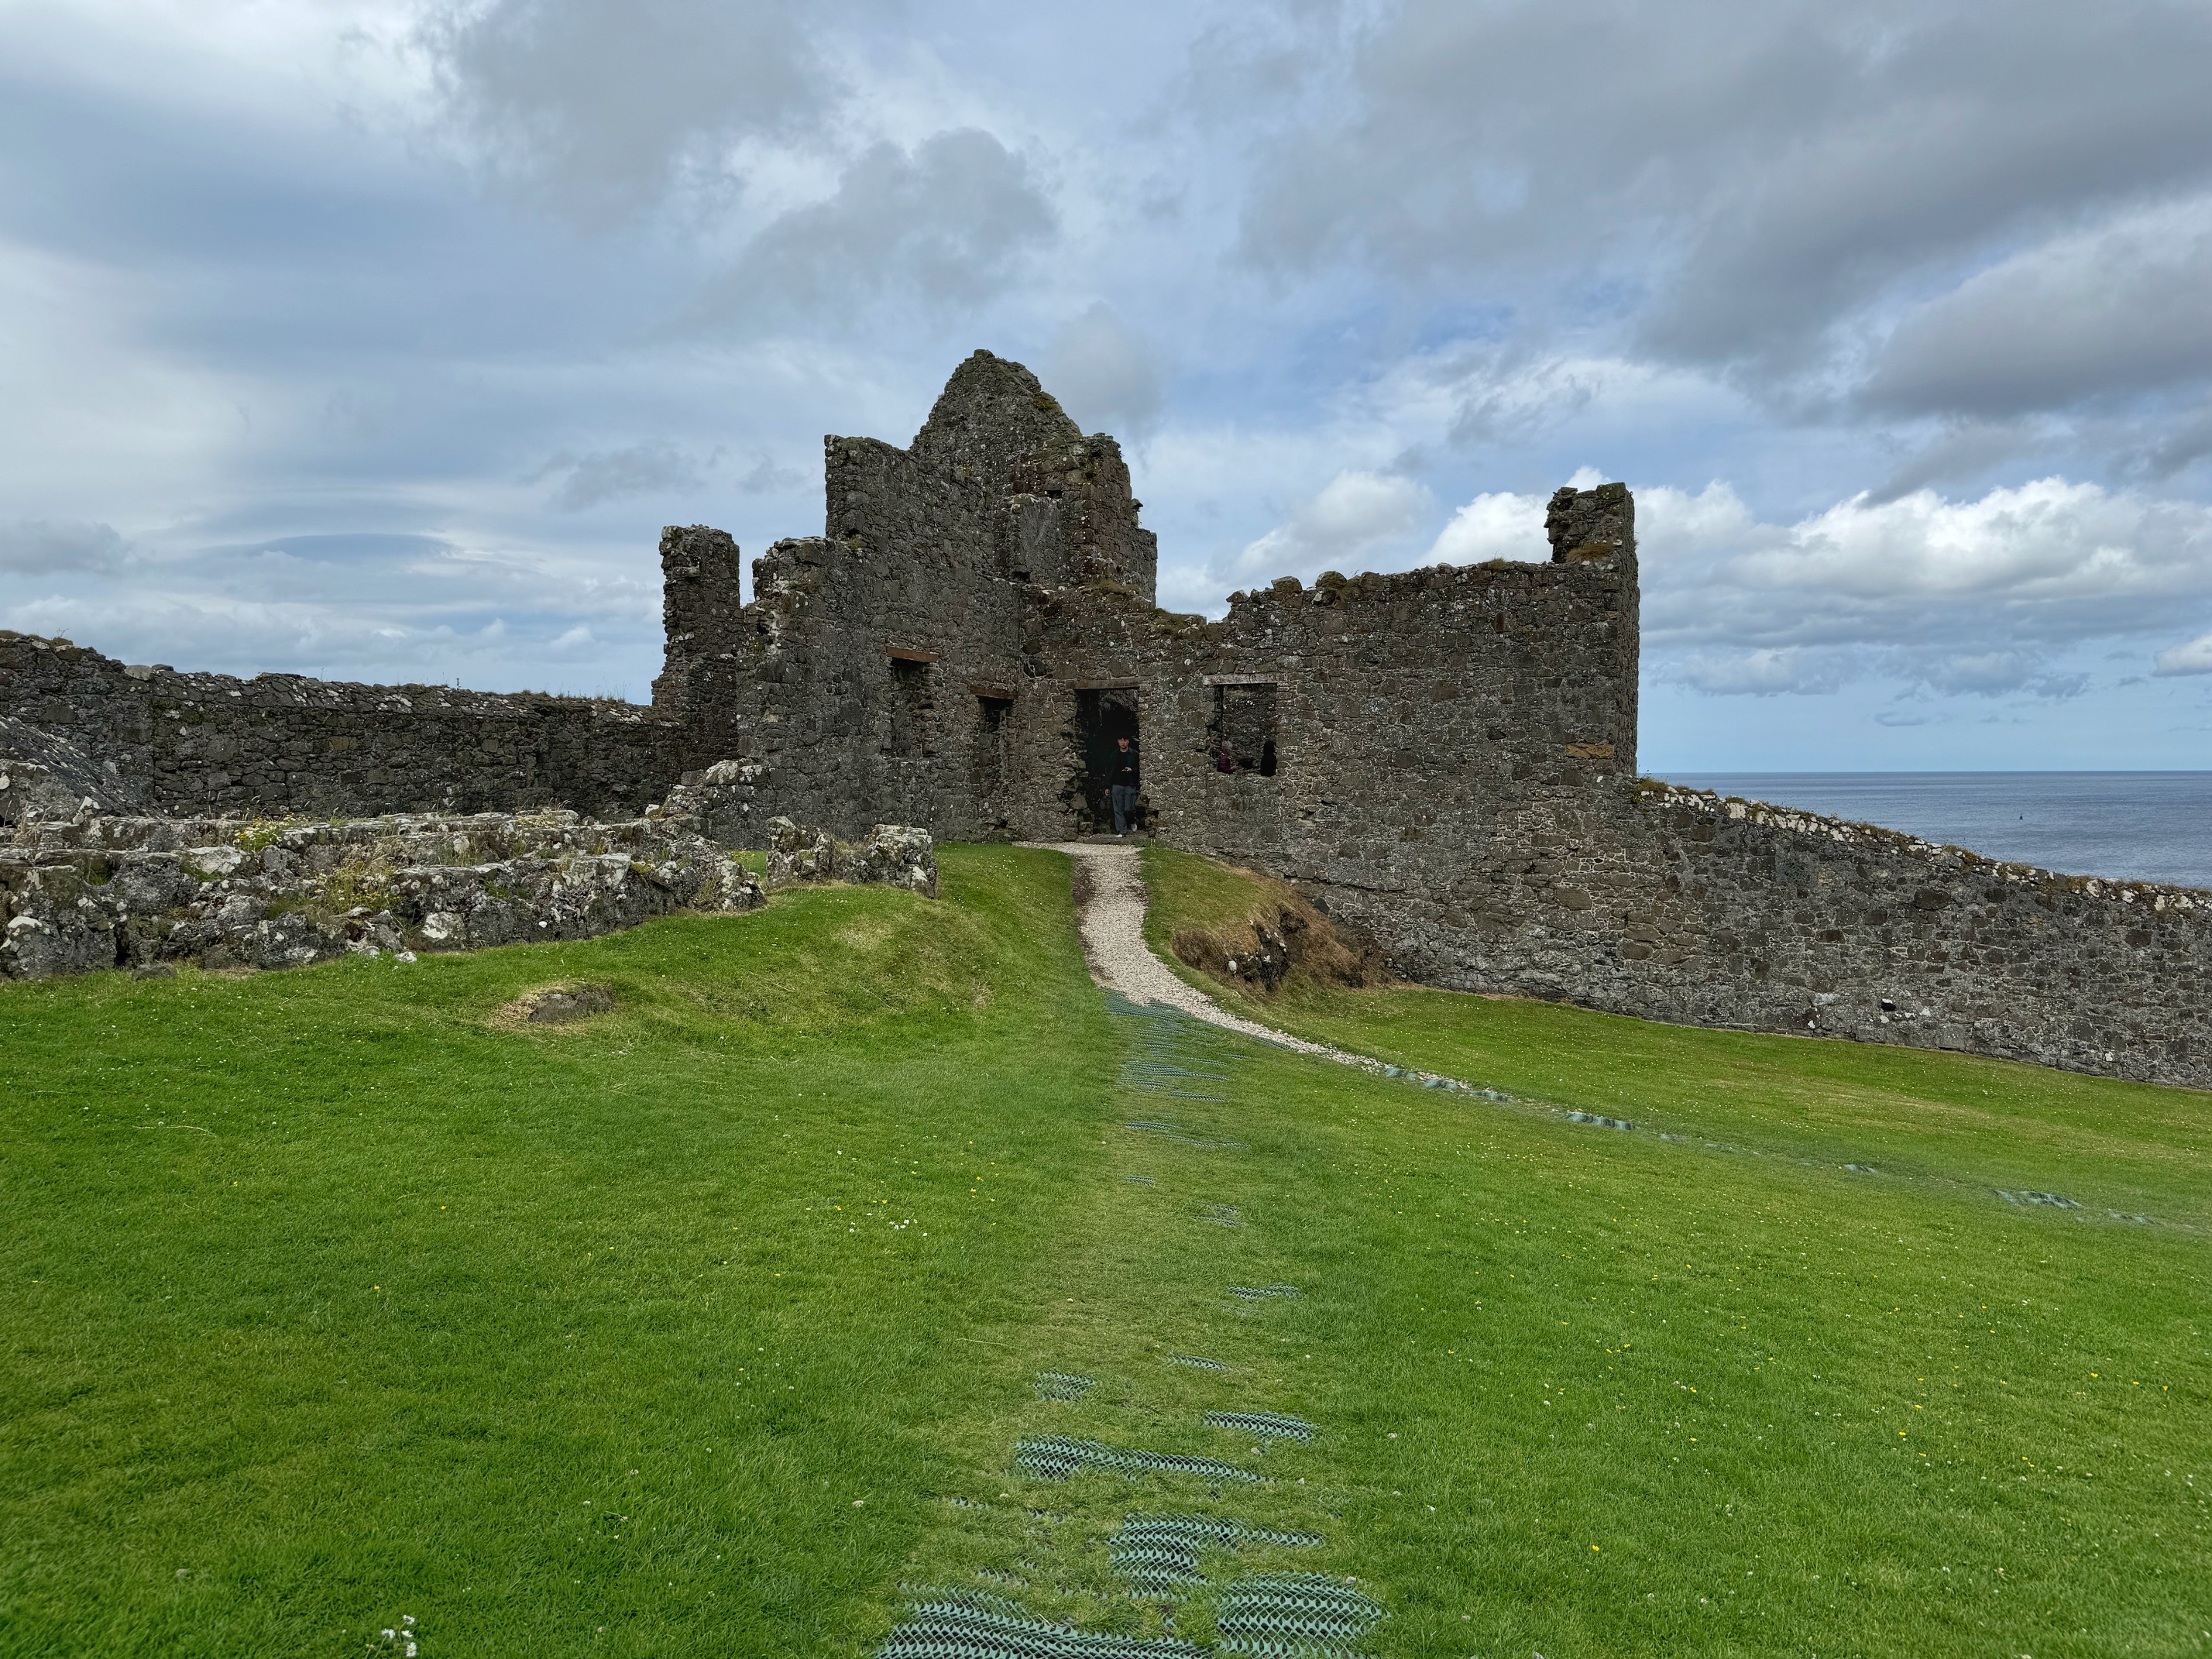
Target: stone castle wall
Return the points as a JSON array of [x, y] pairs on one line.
[[210, 744], [1675, 905], [882, 662], [1445, 757], [1401, 709]]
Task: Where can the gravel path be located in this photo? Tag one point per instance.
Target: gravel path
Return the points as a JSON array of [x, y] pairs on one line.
[[1111, 915]]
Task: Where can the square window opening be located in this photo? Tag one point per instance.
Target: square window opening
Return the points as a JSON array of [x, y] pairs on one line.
[[1241, 737]]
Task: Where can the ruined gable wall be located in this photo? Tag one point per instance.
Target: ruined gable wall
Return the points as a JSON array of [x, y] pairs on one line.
[[881, 652], [283, 742]]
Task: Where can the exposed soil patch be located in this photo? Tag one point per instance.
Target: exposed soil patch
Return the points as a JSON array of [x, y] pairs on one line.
[[557, 1004], [1284, 936]]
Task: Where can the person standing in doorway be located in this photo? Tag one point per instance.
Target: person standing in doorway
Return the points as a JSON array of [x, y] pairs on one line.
[[1122, 784]]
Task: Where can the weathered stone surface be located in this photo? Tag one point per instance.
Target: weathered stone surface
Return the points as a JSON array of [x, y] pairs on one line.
[[719, 802], [209, 744], [889, 855], [44, 777], [108, 892]]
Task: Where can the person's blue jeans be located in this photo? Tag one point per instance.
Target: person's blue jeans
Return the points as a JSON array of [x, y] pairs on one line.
[[1124, 797]]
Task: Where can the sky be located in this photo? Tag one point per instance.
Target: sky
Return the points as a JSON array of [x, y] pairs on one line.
[[378, 340]]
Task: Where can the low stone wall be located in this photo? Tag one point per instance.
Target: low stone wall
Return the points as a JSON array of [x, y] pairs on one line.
[[1678, 905], [105, 892], [213, 744]]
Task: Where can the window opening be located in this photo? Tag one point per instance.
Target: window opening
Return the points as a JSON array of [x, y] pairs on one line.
[[1241, 737], [993, 717], [910, 708]]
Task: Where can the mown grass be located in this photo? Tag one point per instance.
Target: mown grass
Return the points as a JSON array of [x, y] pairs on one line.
[[1577, 1391], [327, 1301], [1793, 1406]]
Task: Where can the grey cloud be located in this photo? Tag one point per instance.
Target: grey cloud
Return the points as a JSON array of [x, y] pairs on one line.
[[1105, 373], [943, 226], [613, 475], [1736, 181], [1966, 449], [766, 478], [38, 546], [2118, 309], [600, 107]]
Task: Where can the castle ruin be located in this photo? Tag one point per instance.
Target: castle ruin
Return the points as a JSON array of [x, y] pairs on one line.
[[1443, 758]]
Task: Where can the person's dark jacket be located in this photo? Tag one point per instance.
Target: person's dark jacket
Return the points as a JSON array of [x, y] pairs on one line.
[[1122, 768]]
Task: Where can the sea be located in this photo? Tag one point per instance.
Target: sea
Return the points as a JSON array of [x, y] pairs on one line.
[[2138, 826]]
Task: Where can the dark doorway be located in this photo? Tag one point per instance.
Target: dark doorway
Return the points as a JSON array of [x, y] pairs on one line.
[[1101, 717]]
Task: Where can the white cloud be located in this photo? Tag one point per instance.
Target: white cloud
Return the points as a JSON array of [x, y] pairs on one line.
[[1496, 526], [1357, 522], [2194, 658], [1979, 596]]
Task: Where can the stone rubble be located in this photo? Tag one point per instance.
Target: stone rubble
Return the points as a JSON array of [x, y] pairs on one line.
[[95, 891], [889, 855]]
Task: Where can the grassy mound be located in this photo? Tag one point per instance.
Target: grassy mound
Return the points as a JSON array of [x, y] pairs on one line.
[[706, 1322]]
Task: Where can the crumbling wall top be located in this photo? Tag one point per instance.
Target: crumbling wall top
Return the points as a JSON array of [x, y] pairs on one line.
[[1591, 523]]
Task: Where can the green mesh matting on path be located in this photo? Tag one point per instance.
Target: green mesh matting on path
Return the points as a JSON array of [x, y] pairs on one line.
[[1271, 1424], [1063, 1385], [1159, 1552], [1261, 1292], [1293, 1615], [1056, 1457], [969, 1625], [1197, 1362], [1171, 1131], [1172, 1053]]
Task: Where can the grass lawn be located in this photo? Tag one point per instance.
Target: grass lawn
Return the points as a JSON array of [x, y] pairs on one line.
[[706, 1326]]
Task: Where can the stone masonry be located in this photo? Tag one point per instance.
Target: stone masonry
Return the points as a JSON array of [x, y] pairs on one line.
[[1444, 758]]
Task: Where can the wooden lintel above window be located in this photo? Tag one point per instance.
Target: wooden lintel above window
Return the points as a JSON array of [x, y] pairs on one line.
[[1104, 685], [902, 654], [996, 693]]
